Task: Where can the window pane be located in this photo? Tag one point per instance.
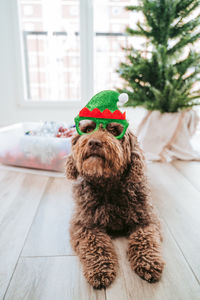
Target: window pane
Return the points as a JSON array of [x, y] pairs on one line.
[[51, 49], [110, 21]]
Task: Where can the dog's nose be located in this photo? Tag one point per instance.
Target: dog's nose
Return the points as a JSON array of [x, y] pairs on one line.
[[95, 143]]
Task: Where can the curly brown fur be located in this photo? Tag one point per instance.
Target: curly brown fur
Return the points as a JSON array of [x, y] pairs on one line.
[[111, 198], [96, 253]]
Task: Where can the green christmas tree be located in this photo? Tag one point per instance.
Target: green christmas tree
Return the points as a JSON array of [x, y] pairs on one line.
[[164, 79]]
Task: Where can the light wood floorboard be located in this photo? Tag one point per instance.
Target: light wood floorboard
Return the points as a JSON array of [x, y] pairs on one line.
[[51, 278], [178, 202], [49, 234], [18, 205], [190, 170]]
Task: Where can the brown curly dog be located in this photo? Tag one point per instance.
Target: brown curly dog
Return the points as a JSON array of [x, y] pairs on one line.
[[112, 198]]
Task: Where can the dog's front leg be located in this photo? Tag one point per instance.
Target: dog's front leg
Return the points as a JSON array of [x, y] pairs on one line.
[[97, 254], [144, 253]]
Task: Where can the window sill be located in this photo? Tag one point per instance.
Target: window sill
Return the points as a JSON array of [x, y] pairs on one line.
[[50, 104]]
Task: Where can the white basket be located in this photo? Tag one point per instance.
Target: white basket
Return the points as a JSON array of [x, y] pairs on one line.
[[18, 149]]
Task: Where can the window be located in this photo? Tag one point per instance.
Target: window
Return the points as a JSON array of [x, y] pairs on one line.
[[59, 65], [110, 22], [51, 49]]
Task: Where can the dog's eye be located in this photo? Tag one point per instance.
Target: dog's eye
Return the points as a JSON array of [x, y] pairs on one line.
[[114, 128], [89, 129], [87, 126]]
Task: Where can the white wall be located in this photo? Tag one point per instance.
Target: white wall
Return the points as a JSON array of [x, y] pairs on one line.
[[10, 70]]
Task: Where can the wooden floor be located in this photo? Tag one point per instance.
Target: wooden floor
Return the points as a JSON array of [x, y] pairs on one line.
[[37, 262]]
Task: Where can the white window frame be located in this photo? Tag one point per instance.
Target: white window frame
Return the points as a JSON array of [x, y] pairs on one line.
[[86, 59]]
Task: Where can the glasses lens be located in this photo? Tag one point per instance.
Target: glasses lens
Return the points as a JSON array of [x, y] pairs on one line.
[[87, 126], [115, 128]]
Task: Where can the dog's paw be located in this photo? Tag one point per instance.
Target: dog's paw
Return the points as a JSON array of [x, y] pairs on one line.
[[150, 271], [101, 279]]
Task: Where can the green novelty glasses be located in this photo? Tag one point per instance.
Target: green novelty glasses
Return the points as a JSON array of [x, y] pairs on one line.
[[88, 125]]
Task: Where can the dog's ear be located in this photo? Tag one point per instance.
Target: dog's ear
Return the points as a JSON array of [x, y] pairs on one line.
[[137, 160], [134, 146], [75, 139], [71, 171], [70, 168]]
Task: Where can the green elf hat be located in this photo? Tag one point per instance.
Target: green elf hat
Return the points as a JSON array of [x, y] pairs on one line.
[[103, 109]]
